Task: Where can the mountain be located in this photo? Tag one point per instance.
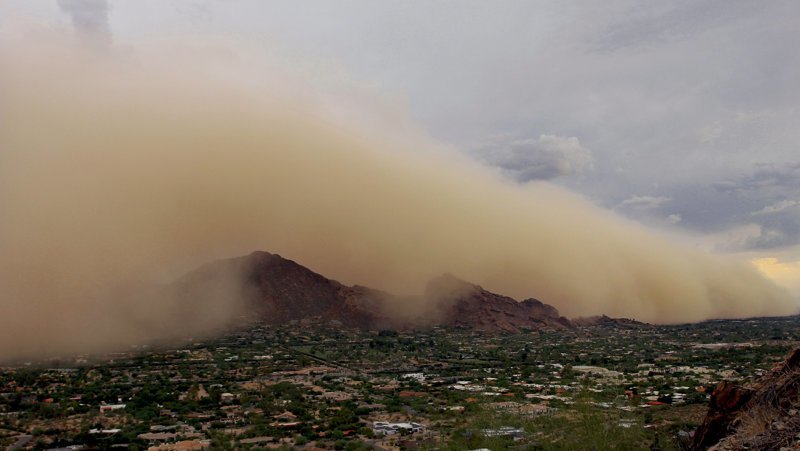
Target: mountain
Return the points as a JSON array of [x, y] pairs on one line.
[[764, 414], [606, 321], [467, 305], [278, 290]]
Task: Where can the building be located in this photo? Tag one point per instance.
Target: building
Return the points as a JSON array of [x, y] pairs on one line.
[[384, 428]]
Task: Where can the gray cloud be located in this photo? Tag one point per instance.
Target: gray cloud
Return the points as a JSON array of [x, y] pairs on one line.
[[764, 178], [768, 238], [651, 24], [777, 207], [653, 210], [643, 202], [543, 158], [89, 17], [764, 196]]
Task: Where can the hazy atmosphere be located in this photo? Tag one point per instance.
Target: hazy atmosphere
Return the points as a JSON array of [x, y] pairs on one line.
[[646, 169]]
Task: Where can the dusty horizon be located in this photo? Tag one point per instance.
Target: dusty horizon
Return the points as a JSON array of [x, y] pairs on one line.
[[123, 169]]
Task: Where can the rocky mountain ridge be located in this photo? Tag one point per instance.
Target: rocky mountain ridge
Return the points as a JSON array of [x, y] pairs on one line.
[[278, 290]]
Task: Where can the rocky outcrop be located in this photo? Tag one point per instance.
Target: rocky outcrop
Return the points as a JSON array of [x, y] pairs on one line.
[[761, 415], [466, 305], [278, 290], [727, 401], [606, 321]]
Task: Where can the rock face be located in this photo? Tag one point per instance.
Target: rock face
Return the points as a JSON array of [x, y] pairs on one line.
[[761, 415], [468, 305], [287, 291], [727, 401], [606, 321], [278, 290]]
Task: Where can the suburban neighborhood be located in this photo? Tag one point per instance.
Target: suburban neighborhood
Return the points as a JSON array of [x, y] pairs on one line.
[[317, 385]]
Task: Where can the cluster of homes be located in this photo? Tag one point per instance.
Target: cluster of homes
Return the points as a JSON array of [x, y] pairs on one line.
[[384, 428], [307, 387]]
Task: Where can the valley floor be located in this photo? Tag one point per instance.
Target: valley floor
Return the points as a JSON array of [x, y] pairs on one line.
[[316, 385]]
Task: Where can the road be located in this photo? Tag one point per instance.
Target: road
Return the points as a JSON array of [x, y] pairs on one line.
[[22, 440]]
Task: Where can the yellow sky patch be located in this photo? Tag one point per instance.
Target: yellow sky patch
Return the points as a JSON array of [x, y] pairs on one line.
[[786, 273]]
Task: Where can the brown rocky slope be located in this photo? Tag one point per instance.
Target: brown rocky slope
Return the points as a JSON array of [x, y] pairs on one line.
[[764, 414], [278, 290]]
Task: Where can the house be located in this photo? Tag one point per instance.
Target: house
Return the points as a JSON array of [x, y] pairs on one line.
[[104, 431], [522, 409], [412, 394], [385, 428], [285, 416], [338, 396], [257, 440], [158, 436], [110, 407], [504, 431], [186, 445]]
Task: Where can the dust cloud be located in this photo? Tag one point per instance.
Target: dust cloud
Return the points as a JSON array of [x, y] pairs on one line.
[[125, 169]]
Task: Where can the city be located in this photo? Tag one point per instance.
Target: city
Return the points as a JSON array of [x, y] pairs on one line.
[[317, 385]]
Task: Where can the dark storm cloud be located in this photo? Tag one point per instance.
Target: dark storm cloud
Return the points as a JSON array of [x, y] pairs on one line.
[[543, 158], [767, 196], [779, 235], [772, 178]]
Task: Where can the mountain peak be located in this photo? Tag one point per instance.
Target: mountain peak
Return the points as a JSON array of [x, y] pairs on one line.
[[280, 290], [448, 286]]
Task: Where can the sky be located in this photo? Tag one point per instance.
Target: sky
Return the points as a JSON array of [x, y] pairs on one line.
[[680, 115]]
